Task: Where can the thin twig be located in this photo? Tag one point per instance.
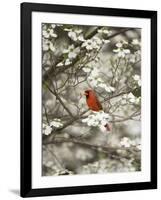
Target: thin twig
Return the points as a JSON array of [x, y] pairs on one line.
[[46, 115], [104, 149], [75, 118], [60, 100], [56, 158], [63, 69]]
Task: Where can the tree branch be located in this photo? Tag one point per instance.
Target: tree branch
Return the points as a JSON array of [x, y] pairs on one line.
[[75, 118], [60, 100], [105, 149], [62, 69]]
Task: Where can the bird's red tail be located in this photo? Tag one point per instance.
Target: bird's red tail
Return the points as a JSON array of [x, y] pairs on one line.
[[108, 127]]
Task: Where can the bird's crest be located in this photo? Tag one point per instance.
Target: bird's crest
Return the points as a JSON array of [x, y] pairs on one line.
[[86, 92]]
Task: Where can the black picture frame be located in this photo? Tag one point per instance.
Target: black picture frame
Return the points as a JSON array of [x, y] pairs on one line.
[[26, 99]]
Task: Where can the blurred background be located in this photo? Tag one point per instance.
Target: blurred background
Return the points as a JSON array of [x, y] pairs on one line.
[[108, 61]]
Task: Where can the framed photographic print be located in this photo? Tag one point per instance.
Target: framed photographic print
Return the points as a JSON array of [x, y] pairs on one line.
[[88, 99]]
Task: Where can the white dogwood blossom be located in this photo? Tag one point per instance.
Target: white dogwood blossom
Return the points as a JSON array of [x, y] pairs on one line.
[[49, 32], [104, 166], [94, 78], [96, 81], [75, 34], [105, 41], [119, 44], [89, 45], [86, 69], [104, 31], [71, 51], [47, 128], [121, 50], [137, 79], [56, 123], [135, 42], [49, 35], [94, 43], [60, 64], [67, 61], [127, 142], [107, 88], [47, 45], [97, 119], [130, 98], [89, 67]]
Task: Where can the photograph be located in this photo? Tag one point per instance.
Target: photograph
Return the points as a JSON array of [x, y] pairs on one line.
[[91, 99], [88, 99]]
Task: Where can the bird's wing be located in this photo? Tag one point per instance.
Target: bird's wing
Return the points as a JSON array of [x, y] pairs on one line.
[[98, 103]]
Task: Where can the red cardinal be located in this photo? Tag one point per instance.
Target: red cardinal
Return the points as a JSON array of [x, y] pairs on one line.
[[94, 104]]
